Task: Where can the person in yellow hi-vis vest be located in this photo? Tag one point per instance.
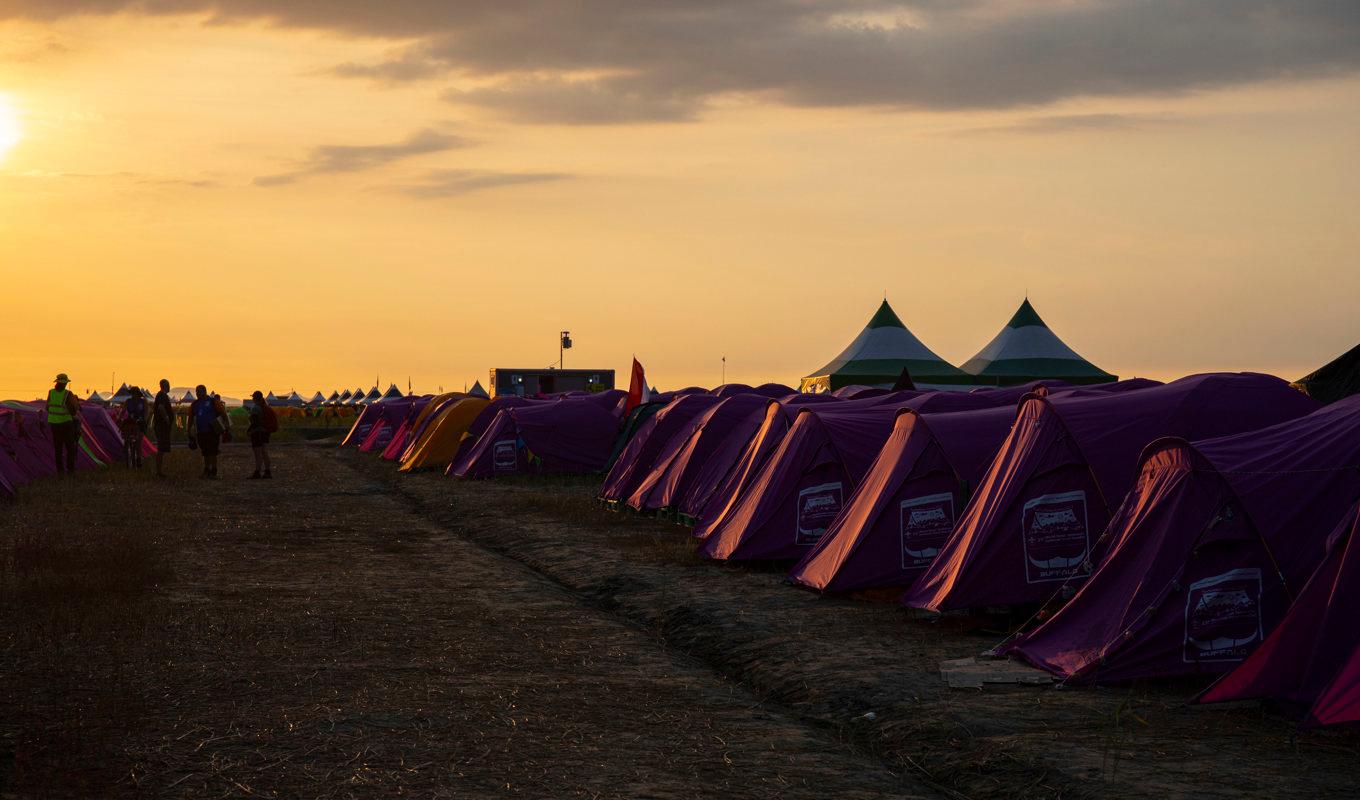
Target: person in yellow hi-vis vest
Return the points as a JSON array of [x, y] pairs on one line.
[[63, 417]]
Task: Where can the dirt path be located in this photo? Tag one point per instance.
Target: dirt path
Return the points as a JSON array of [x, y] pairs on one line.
[[315, 636], [832, 662]]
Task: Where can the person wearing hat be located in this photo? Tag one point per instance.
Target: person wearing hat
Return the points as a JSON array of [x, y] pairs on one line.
[[63, 416]]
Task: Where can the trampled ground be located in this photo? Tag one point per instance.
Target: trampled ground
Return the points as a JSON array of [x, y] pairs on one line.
[[341, 632]]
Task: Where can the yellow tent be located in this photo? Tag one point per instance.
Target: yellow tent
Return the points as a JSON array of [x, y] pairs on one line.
[[437, 403], [439, 444]]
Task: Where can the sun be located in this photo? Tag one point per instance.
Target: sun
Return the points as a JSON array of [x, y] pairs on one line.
[[9, 125]]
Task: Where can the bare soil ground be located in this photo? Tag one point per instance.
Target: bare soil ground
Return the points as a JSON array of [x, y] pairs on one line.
[[831, 662], [342, 632], [314, 636]]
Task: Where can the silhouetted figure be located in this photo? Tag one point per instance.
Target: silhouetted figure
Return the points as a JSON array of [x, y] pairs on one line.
[[207, 421], [63, 417], [134, 426], [162, 424], [263, 421]]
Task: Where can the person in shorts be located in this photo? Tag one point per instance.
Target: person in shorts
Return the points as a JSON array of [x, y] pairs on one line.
[[262, 422], [207, 421], [162, 424]]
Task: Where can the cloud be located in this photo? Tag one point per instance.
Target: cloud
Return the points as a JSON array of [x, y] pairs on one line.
[[623, 61], [455, 182], [336, 158], [578, 102], [1076, 123], [404, 67]]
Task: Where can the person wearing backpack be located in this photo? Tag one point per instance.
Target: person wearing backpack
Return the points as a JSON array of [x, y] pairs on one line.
[[263, 421], [134, 426], [207, 421]]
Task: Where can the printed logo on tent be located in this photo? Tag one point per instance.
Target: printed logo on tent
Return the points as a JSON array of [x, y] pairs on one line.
[[384, 437], [363, 430], [925, 523], [1223, 616], [504, 456], [1053, 529], [817, 507]]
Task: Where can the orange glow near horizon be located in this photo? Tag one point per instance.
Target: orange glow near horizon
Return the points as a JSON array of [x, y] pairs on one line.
[[209, 201]]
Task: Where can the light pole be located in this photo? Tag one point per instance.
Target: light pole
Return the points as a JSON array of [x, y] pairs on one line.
[[563, 345], [724, 371]]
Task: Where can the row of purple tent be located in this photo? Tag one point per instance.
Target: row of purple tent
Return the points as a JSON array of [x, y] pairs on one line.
[[572, 433], [1163, 529], [26, 452]]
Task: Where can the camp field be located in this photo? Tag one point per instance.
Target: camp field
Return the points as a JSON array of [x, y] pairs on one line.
[[344, 632]]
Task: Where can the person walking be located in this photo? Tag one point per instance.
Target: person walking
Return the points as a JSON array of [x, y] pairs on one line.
[[134, 426], [63, 417], [263, 421], [162, 424], [207, 421]]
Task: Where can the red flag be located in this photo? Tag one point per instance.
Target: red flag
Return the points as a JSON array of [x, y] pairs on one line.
[[637, 388]]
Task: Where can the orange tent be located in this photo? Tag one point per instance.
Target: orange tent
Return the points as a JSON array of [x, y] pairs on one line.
[[437, 446]]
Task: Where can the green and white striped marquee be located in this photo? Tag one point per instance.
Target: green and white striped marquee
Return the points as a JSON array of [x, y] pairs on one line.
[[878, 356], [1027, 350]]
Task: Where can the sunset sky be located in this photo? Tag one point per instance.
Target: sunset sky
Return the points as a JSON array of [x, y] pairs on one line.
[[229, 193]]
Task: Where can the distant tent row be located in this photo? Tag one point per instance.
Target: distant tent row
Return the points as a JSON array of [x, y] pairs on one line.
[[886, 350], [470, 435]]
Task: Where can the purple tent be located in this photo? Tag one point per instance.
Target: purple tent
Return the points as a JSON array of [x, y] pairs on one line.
[[803, 485], [770, 390], [568, 436], [1066, 465], [1310, 664], [676, 469], [650, 440], [103, 432], [480, 424], [729, 389], [905, 509], [858, 392], [391, 414], [716, 467], [721, 497], [363, 424], [404, 434], [1204, 554], [28, 441], [1011, 395]]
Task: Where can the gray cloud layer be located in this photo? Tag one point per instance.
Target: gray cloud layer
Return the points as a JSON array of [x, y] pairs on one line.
[[332, 158], [617, 61]]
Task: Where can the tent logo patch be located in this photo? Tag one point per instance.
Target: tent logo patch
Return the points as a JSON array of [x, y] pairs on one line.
[[1056, 540], [925, 523], [1223, 616], [817, 507], [504, 457]]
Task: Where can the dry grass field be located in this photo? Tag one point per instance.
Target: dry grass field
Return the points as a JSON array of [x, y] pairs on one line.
[[342, 632]]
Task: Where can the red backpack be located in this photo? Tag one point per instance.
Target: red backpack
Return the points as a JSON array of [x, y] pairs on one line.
[[271, 420]]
